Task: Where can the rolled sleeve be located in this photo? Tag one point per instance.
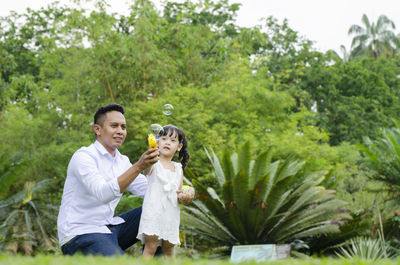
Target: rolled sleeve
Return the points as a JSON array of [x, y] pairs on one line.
[[104, 188]]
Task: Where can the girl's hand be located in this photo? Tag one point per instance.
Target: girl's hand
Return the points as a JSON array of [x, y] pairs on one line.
[[187, 197]]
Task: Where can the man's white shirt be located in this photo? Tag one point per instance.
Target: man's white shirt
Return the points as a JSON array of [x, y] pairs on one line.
[[91, 192]]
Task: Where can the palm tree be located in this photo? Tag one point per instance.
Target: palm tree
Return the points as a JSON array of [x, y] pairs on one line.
[[259, 201], [346, 56], [374, 39]]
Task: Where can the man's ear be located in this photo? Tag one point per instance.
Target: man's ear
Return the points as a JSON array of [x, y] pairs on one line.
[[96, 129]]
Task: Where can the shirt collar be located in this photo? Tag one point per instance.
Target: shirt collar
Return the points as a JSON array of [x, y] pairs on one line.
[[103, 150]]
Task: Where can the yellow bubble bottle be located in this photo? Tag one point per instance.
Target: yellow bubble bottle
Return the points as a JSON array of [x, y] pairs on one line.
[[152, 141]]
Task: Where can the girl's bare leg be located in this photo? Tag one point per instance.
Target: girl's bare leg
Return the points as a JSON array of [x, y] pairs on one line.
[[150, 246], [167, 248]]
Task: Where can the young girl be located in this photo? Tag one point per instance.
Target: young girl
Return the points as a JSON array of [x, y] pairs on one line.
[[159, 222]]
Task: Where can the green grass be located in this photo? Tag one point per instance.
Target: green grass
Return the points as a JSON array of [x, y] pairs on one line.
[[89, 260]]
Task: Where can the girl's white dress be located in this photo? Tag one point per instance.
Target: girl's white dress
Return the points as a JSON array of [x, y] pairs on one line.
[[160, 210]]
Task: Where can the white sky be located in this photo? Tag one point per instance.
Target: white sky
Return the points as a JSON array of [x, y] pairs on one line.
[[324, 21]]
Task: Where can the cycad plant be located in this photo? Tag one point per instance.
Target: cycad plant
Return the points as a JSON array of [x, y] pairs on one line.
[[259, 201], [383, 156], [25, 221]]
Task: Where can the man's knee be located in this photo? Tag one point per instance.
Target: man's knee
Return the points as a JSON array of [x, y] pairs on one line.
[[93, 244]]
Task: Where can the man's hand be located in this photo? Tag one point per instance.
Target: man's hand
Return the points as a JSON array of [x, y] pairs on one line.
[[148, 158], [187, 197]]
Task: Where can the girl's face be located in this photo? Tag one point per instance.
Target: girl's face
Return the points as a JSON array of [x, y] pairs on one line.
[[169, 144]]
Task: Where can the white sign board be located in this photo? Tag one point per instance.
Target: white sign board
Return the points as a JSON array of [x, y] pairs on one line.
[[253, 252]]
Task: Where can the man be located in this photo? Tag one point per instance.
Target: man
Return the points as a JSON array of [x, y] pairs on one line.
[[97, 176]]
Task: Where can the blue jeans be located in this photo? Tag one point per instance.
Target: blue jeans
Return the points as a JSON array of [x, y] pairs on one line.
[[122, 236]]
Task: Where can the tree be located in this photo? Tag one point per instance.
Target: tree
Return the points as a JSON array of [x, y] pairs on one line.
[[374, 39], [260, 201], [217, 15], [361, 92], [346, 56]]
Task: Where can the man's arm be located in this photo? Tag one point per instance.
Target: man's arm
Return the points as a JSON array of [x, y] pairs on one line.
[[147, 159]]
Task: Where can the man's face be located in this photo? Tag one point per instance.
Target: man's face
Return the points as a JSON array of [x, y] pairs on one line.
[[113, 132]]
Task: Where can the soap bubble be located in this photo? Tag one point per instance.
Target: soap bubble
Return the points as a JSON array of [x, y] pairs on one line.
[[168, 109], [156, 129]]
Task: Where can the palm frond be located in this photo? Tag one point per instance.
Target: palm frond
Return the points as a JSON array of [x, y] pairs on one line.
[[383, 22], [363, 248], [244, 160], [321, 229], [366, 22], [235, 163], [260, 167], [219, 173], [271, 173], [214, 195], [356, 29], [273, 210], [206, 223], [227, 166], [383, 156], [240, 190], [289, 168], [227, 191]]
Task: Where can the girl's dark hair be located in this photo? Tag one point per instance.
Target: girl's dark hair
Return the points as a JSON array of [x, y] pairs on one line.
[[183, 153]]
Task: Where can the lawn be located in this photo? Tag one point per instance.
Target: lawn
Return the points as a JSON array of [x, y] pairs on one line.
[[81, 260]]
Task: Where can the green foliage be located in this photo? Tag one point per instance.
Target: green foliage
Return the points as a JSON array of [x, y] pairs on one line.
[[229, 85], [26, 222], [259, 201], [365, 249], [127, 203], [218, 14], [229, 112], [358, 225], [392, 232], [360, 92], [44, 138], [383, 156], [10, 169]]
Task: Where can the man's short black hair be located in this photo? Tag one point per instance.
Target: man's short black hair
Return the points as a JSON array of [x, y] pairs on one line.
[[100, 115]]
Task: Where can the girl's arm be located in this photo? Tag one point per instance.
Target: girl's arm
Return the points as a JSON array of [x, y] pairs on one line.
[[181, 184], [182, 198]]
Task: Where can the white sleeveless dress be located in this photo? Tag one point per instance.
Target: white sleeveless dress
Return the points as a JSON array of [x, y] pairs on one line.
[[160, 210]]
